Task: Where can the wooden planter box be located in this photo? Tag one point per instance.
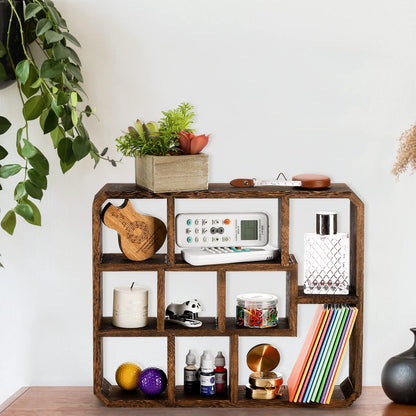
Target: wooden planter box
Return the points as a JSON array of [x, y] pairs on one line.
[[172, 173]]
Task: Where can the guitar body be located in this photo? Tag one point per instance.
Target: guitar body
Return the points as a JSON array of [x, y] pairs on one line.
[[139, 236]]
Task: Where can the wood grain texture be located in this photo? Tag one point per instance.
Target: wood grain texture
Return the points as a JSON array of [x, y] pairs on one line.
[[220, 325], [172, 173], [221, 299], [80, 401]]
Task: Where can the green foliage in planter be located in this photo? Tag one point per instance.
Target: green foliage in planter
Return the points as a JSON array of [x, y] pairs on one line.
[[50, 91], [151, 139]]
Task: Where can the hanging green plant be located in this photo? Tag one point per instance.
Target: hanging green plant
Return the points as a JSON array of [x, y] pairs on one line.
[[50, 91]]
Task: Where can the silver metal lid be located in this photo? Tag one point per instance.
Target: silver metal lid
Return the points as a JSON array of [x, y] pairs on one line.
[[326, 223]]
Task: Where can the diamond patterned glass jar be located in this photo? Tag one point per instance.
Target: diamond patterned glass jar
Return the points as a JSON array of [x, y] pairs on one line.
[[326, 258]]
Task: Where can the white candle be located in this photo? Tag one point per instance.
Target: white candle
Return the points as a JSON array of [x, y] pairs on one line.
[[130, 307]]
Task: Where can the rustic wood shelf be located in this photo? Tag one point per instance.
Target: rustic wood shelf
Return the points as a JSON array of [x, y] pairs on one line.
[[221, 325]]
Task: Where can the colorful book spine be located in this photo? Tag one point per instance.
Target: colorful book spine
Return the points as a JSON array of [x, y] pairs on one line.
[[314, 374]]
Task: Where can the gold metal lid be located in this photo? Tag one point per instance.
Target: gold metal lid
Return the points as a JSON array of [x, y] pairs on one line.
[[264, 393], [263, 357], [267, 379]]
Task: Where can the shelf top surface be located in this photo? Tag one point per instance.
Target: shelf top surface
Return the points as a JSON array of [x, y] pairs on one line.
[[225, 190]]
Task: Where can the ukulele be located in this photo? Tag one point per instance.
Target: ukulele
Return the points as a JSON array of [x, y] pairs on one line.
[[139, 236]]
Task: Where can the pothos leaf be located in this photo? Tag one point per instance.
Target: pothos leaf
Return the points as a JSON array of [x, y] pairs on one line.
[[4, 124], [8, 223]]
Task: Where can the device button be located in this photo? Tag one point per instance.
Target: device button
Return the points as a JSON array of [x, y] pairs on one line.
[[189, 222], [196, 239], [188, 231], [189, 239], [204, 221], [213, 230], [204, 230], [220, 230], [227, 221], [196, 222], [204, 239], [196, 230]]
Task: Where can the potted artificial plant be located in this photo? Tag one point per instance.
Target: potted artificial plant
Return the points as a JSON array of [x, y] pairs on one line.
[[38, 51], [167, 153]]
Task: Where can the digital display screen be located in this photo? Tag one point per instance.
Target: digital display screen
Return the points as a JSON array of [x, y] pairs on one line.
[[249, 229]]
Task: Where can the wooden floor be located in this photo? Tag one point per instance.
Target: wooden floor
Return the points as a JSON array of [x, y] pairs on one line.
[[80, 401]]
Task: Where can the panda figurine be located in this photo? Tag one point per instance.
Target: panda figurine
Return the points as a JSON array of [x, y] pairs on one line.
[[185, 314]]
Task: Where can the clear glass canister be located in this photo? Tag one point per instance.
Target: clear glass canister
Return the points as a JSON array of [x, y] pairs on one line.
[[256, 310]]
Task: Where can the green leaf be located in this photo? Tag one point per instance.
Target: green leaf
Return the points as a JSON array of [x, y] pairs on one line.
[[33, 190], [28, 150], [9, 170], [58, 110], [25, 211], [62, 23], [74, 99], [51, 122], [3, 50], [36, 214], [60, 51], [74, 56], [66, 166], [40, 163], [9, 222], [81, 147], [22, 70], [71, 38], [3, 73], [65, 152], [74, 117], [51, 36], [51, 68], [4, 124], [30, 87], [67, 122], [37, 83], [54, 13], [74, 71], [33, 107], [39, 180], [3, 152], [19, 191], [62, 98], [19, 140], [43, 26], [31, 10], [57, 135]]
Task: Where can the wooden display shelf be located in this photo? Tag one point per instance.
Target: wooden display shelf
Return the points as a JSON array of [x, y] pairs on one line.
[[345, 394]]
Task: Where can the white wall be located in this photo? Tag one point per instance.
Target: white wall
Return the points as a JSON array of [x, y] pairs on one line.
[[299, 86]]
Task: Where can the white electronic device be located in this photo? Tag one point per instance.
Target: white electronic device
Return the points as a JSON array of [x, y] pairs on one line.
[[222, 229], [223, 255]]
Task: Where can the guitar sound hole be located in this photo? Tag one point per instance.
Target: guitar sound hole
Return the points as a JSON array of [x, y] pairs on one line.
[[138, 232]]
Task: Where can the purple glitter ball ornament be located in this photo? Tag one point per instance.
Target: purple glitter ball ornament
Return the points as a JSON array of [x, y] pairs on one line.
[[152, 381]]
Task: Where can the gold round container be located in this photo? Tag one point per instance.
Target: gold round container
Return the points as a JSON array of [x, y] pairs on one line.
[[264, 393], [263, 357], [265, 379]]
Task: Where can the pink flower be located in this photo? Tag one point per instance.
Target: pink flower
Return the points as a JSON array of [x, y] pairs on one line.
[[192, 144]]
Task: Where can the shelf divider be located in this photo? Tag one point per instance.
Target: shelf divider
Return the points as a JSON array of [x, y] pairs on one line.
[[221, 296], [234, 368], [161, 299]]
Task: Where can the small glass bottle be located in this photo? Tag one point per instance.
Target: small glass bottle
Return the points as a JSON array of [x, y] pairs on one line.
[[220, 374], [191, 382], [326, 258], [207, 376]]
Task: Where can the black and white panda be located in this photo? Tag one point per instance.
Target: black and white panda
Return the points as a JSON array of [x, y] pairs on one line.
[[188, 309]]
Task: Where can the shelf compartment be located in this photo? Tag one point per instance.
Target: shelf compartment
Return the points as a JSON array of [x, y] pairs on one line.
[[302, 297], [114, 396]]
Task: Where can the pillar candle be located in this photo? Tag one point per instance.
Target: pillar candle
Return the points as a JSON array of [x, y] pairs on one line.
[[130, 307]]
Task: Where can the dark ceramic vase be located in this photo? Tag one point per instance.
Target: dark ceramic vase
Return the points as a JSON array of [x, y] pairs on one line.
[[15, 40], [398, 377]]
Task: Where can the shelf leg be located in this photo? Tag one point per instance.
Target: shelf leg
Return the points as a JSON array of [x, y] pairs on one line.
[[234, 368], [171, 231], [283, 243], [221, 287], [171, 369], [161, 299], [291, 304]]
